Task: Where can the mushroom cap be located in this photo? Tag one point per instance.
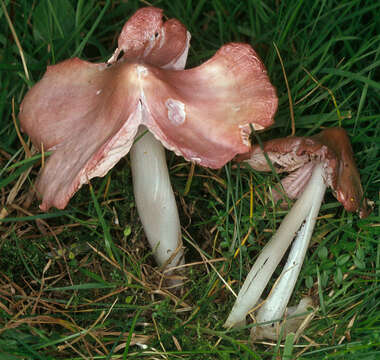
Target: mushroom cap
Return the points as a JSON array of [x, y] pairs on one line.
[[88, 114], [298, 155], [146, 37]]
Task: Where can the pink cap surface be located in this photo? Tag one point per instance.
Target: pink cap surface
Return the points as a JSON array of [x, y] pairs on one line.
[[298, 156], [88, 114]]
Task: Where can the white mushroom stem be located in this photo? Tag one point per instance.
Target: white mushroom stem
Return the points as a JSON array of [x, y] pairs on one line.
[[295, 317], [275, 305], [306, 207], [153, 192], [155, 200]]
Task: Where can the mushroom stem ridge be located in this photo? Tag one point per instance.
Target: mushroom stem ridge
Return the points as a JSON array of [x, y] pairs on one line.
[[272, 253]]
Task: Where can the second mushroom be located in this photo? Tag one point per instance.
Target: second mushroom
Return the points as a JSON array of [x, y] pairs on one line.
[[314, 163]]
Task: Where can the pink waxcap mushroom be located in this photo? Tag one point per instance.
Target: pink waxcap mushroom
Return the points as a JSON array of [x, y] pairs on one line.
[[88, 114], [298, 155]]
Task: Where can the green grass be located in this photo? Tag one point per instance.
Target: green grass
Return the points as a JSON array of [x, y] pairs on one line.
[[82, 283]]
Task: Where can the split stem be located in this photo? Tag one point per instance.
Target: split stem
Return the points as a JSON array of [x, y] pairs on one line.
[[275, 305], [273, 252]]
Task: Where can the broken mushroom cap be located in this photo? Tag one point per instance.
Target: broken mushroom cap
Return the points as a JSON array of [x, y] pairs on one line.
[[88, 114], [298, 156]]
